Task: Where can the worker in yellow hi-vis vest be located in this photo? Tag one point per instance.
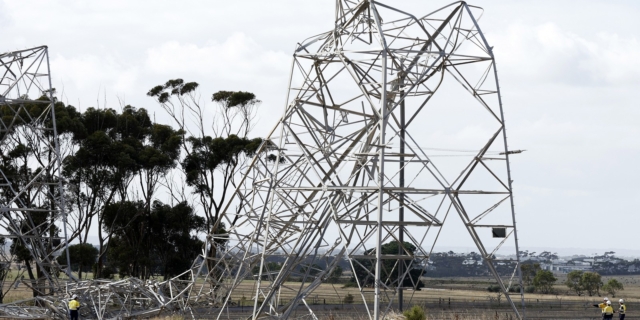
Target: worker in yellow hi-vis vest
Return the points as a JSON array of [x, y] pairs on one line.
[[74, 305], [602, 305], [607, 312], [622, 310]]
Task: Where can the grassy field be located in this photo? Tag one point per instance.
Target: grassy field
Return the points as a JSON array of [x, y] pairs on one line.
[[449, 288], [443, 298]]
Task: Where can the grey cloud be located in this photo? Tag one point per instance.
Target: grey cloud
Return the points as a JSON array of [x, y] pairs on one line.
[[568, 84]]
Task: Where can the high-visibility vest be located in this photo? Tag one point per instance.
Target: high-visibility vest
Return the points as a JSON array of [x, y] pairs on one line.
[[622, 309], [608, 310], [74, 305], [602, 306]]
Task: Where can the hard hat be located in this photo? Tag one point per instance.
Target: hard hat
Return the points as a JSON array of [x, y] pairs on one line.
[[75, 296], [608, 302], [621, 301], [606, 299]]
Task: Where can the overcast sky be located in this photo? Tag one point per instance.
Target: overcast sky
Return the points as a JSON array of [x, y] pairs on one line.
[[569, 75]]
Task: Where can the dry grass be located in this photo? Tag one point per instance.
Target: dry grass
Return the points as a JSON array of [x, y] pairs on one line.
[[450, 315], [174, 317], [395, 316], [462, 289], [464, 293], [17, 295]]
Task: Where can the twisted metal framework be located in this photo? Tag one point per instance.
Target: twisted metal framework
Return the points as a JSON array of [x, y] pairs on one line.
[[347, 170], [191, 293], [31, 205], [360, 158], [107, 299]]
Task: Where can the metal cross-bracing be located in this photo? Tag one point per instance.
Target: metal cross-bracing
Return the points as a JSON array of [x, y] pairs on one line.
[[393, 132], [32, 211], [362, 158]]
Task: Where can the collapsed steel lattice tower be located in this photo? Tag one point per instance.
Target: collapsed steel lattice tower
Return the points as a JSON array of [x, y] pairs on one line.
[[357, 161], [32, 211], [360, 158]]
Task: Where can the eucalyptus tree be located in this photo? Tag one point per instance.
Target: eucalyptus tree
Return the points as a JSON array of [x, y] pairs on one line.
[[114, 151], [216, 145], [83, 256], [364, 268], [161, 242], [98, 173]]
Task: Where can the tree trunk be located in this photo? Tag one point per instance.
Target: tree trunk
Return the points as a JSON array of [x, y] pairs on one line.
[[99, 265], [31, 278]]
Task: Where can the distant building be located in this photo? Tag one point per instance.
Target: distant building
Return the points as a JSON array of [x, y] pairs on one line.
[[565, 267]]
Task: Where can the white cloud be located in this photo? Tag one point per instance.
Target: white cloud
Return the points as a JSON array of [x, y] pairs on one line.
[[236, 63], [616, 58], [548, 53], [5, 18], [237, 58], [90, 74]]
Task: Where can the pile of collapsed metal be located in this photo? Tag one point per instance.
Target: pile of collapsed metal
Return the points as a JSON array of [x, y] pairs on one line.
[[104, 299], [206, 285]]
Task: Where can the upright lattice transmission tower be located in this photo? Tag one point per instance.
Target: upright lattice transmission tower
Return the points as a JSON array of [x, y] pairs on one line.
[[32, 211]]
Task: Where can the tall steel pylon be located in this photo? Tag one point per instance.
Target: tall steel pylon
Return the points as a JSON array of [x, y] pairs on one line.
[[362, 157], [32, 211], [365, 111]]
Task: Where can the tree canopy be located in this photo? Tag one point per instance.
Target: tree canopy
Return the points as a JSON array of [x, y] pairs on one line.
[[579, 282], [544, 281], [148, 189], [365, 268], [83, 256], [159, 241], [612, 287]]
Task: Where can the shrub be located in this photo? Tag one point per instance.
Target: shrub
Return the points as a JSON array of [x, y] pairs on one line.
[[494, 288], [530, 289], [612, 287], [348, 298], [350, 284], [544, 280], [415, 313], [515, 289], [108, 272]]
